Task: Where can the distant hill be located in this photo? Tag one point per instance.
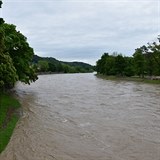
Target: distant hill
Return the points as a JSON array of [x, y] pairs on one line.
[[79, 64], [50, 64]]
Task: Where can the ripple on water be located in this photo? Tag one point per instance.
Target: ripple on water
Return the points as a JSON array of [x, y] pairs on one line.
[[81, 117]]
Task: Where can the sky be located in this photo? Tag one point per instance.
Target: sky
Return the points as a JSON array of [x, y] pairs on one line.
[[82, 30]]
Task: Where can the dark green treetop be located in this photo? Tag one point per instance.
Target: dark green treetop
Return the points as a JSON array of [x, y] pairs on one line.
[[8, 75], [1, 4], [20, 52]]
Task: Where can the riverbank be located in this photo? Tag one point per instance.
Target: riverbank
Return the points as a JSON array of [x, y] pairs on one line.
[[135, 79], [8, 118]]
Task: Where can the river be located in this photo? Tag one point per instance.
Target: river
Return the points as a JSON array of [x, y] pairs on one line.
[[82, 117]]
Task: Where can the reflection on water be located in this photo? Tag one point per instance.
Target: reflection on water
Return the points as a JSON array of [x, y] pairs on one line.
[[81, 117]]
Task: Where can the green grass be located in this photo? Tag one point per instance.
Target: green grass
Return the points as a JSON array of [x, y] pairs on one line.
[[8, 118], [135, 79]]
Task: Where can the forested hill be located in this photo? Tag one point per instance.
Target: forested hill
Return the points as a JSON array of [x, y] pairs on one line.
[[79, 64], [50, 64]]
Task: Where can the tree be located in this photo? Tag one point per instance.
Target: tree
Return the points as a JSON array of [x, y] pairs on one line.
[[119, 65], [145, 61], [43, 66], [100, 66], [153, 50], [52, 67], [139, 62], [129, 67], [20, 52], [110, 65], [8, 75], [151, 56], [106, 65]]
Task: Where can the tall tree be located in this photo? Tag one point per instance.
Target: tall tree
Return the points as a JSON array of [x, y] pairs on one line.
[[139, 62], [101, 63], [8, 75], [129, 67], [120, 65], [43, 66], [110, 65], [20, 52], [154, 52]]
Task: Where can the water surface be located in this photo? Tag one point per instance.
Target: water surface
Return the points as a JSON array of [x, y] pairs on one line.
[[82, 117]]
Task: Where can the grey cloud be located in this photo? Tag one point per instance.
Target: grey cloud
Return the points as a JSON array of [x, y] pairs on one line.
[[83, 30]]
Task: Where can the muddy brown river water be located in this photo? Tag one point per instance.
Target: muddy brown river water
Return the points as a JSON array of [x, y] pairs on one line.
[[82, 117]]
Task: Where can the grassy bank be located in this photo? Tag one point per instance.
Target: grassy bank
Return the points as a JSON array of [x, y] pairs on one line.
[[135, 79], [8, 118]]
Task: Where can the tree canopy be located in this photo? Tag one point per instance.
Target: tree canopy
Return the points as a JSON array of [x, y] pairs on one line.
[[144, 62], [15, 57], [8, 74]]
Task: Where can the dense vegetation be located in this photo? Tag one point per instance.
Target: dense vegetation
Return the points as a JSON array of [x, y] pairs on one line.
[[15, 57], [144, 62], [45, 64]]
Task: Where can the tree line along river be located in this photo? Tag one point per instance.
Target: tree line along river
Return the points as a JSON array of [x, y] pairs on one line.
[[82, 117]]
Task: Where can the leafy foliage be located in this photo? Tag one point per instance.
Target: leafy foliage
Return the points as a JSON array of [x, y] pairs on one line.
[[15, 57], [8, 75], [20, 52], [145, 62], [139, 62]]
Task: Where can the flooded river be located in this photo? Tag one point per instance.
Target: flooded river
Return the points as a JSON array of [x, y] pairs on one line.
[[82, 117]]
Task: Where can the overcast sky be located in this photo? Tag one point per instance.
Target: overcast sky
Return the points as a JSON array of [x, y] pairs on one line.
[[82, 30]]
